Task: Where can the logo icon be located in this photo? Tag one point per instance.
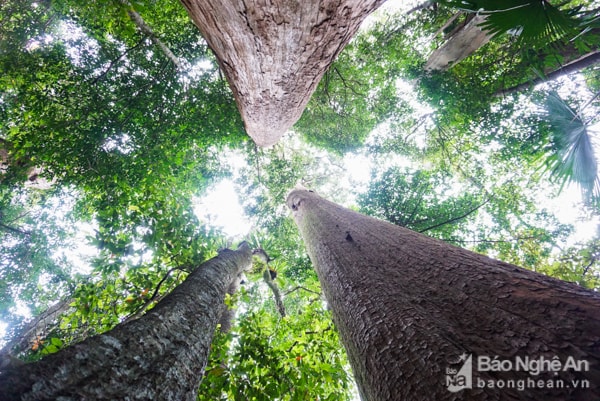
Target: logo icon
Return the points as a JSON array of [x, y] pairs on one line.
[[463, 378]]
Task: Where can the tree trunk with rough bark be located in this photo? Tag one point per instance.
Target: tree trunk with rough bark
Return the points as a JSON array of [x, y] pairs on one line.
[[274, 53], [160, 356], [409, 307]]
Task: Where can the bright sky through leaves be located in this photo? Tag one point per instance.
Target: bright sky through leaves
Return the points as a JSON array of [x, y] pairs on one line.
[[221, 209], [154, 147]]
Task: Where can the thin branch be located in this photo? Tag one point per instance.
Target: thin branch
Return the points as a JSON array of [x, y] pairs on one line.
[[593, 260], [14, 230], [418, 202], [457, 217], [292, 346], [299, 287], [113, 62], [458, 166], [320, 331], [308, 333], [346, 84], [141, 24], [276, 293], [154, 297]]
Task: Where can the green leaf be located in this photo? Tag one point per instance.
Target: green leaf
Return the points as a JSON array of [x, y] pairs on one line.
[[571, 156], [536, 23]]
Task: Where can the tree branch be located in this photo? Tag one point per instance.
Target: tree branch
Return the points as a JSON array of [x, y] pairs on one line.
[[299, 287], [38, 326], [347, 84], [155, 297], [14, 230], [139, 22], [264, 260], [113, 62], [456, 218], [276, 293], [574, 66]]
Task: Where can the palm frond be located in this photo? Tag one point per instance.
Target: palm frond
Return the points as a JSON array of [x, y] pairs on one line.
[[536, 23], [570, 156]]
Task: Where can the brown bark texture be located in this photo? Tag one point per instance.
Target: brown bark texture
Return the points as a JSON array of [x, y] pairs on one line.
[[160, 356], [407, 306], [274, 52]]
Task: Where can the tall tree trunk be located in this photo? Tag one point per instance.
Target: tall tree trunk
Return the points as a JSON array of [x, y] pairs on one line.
[[159, 356], [408, 307], [574, 66], [274, 53], [460, 45]]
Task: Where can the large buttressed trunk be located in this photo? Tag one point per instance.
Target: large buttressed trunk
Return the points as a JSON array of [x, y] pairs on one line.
[[408, 307], [274, 52], [160, 356]]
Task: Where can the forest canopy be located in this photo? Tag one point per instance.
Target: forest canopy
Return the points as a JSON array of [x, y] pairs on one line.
[[117, 123]]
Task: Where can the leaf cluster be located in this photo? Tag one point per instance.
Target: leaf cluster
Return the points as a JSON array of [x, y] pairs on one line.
[[295, 358]]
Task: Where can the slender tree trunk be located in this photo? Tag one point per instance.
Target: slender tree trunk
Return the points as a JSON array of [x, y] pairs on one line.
[[159, 356], [574, 66], [274, 53], [276, 293], [408, 307]]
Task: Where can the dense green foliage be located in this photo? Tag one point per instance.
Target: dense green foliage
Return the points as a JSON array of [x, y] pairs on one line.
[[106, 144], [296, 357], [122, 132]]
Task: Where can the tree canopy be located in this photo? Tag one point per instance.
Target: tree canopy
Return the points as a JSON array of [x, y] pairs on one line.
[[116, 117]]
